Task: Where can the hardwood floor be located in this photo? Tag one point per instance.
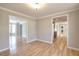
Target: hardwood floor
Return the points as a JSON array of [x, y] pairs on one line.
[[58, 48]]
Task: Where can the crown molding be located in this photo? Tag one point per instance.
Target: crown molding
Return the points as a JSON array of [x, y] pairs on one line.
[[18, 13], [37, 18], [58, 13]]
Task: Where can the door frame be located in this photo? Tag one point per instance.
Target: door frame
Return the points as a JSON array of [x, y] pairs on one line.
[[26, 24], [52, 32]]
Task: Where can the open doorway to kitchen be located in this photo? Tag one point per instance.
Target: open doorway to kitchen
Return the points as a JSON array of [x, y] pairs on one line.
[[60, 28], [18, 33]]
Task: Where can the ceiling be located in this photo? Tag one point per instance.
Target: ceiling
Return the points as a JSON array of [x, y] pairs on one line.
[[48, 9]]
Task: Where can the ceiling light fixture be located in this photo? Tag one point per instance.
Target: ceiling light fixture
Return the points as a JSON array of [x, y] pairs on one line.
[[36, 5]]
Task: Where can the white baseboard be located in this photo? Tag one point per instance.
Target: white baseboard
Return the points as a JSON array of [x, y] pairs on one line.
[[39, 40], [4, 49], [5, 52], [32, 40], [44, 41], [73, 48]]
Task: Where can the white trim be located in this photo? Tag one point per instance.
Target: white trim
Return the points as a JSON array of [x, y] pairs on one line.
[[4, 49], [67, 28], [5, 9], [52, 27], [27, 32], [35, 18], [32, 40], [44, 41], [39, 40], [52, 34], [73, 48], [58, 13]]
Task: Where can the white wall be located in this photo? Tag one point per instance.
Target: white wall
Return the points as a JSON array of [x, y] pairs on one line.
[[4, 28], [73, 33], [44, 29], [32, 35]]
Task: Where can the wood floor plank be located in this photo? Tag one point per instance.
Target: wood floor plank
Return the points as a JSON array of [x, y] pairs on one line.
[[58, 48]]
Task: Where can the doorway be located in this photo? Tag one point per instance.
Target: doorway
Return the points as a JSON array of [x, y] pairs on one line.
[[60, 27], [12, 36], [17, 33]]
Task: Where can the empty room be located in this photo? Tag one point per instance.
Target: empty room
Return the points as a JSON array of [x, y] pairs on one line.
[[39, 29]]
